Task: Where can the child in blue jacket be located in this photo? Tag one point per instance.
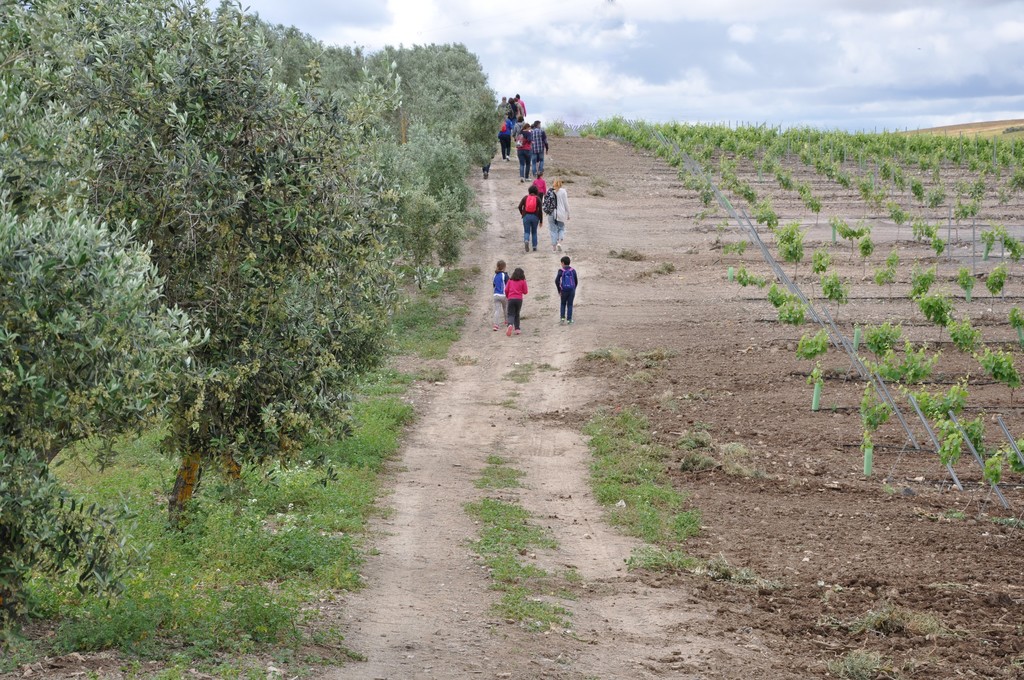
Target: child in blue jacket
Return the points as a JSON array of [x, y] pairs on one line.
[[500, 301]]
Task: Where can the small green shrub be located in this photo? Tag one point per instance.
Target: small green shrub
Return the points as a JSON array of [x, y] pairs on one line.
[[697, 461], [965, 337], [695, 439], [882, 338]]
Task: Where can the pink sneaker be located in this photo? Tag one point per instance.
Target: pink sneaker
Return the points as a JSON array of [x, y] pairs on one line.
[[508, 331], [495, 326], [518, 332]]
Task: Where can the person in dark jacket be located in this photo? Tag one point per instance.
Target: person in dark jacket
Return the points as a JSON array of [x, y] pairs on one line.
[[566, 283], [532, 212]]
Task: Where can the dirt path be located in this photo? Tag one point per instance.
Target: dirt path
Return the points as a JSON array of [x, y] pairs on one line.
[[426, 610]]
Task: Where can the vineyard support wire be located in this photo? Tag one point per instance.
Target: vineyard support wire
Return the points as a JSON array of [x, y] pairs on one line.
[[935, 440], [1016, 450], [977, 458], [882, 389], [1009, 437]]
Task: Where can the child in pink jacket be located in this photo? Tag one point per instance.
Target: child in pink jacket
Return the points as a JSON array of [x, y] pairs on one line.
[[514, 291]]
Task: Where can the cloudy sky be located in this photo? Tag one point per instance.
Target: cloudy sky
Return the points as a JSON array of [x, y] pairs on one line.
[[848, 64]]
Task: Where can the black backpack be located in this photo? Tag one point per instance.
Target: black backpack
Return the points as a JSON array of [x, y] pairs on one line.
[[550, 202]]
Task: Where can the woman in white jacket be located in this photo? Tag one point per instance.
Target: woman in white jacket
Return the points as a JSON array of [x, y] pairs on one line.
[[556, 224]]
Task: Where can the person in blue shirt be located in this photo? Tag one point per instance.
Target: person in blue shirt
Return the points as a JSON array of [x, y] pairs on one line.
[[500, 300], [505, 138]]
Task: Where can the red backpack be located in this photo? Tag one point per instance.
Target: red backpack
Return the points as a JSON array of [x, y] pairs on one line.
[[531, 203]]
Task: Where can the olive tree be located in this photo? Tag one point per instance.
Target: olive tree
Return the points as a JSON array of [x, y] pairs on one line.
[[268, 212], [85, 351]]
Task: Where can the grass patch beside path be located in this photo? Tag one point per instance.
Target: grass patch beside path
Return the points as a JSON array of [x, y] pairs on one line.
[[428, 327], [236, 580], [629, 479], [498, 475], [506, 534]]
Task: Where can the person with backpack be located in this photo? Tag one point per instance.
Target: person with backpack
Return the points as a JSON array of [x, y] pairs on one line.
[[515, 290], [500, 281], [523, 151], [533, 216], [566, 283], [556, 206], [505, 138], [542, 186]]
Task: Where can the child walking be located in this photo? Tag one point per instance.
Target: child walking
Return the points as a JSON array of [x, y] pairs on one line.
[[566, 282], [500, 301], [514, 291]]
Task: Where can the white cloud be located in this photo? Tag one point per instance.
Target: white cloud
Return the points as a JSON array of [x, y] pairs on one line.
[[737, 64], [1009, 32], [742, 33], [850, 63]]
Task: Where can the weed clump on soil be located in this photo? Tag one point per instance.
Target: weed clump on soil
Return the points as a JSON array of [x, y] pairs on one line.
[[702, 454], [719, 569], [655, 356], [857, 665], [657, 559], [735, 457], [691, 440], [627, 254], [660, 270], [891, 619], [614, 355], [641, 377], [695, 461]]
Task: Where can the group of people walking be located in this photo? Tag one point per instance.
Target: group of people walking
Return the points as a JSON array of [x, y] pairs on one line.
[[509, 292], [530, 139], [540, 202]]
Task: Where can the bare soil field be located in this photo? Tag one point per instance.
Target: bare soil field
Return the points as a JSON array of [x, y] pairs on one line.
[[900, 564]]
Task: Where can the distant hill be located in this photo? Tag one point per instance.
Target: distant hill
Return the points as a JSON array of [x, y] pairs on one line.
[[1004, 129]]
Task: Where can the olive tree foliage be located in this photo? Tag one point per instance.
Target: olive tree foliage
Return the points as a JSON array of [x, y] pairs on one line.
[[85, 351], [268, 212], [300, 55], [444, 127], [451, 122]]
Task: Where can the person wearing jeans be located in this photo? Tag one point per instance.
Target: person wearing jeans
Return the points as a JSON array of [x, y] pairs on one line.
[[505, 137], [531, 210], [538, 145], [523, 151], [557, 219]]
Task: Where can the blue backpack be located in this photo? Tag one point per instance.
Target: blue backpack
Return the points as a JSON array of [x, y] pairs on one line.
[[568, 278]]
